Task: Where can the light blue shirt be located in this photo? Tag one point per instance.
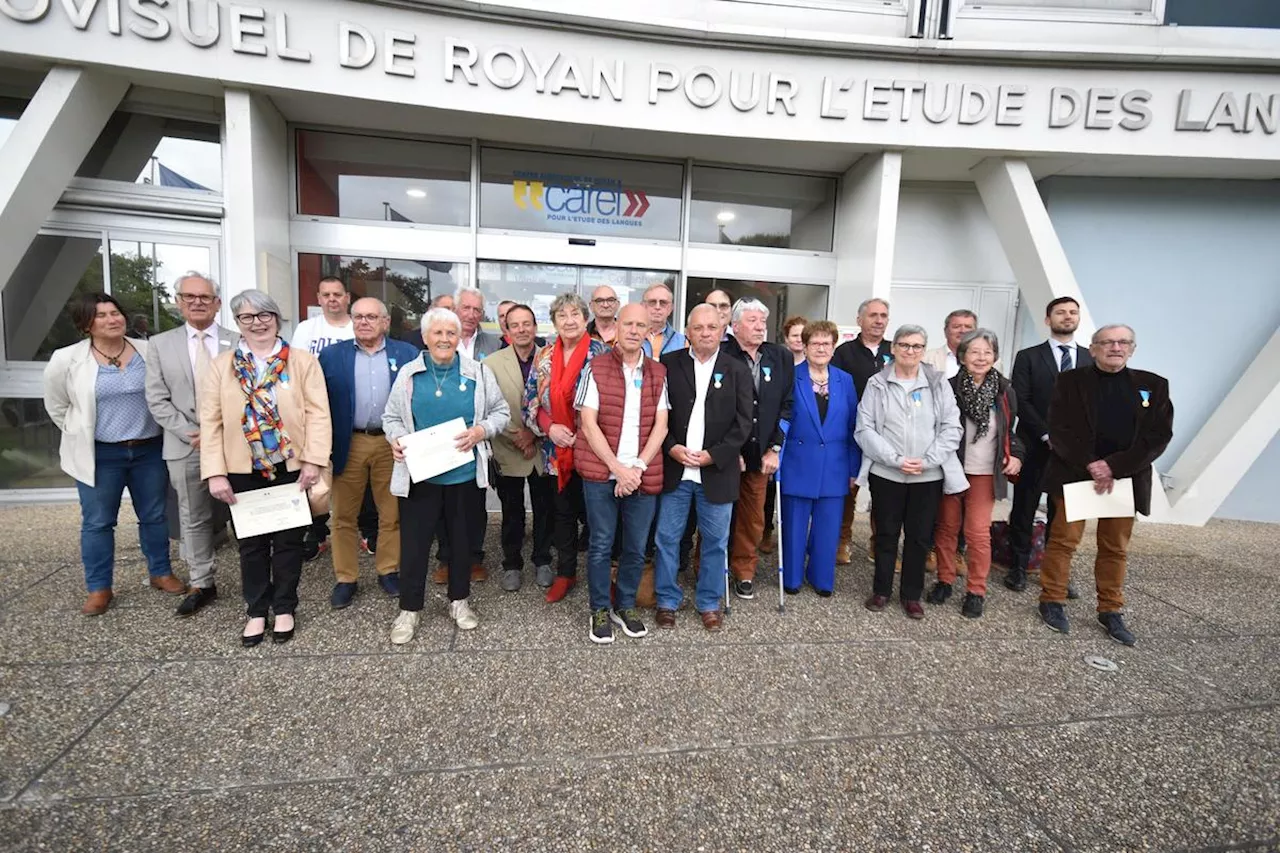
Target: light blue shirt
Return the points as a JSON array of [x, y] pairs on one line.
[[122, 404], [372, 384]]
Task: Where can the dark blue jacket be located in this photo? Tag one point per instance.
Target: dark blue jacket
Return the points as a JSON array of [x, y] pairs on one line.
[[819, 457], [338, 361]]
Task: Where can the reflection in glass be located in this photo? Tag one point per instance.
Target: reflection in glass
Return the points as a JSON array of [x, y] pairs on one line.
[[405, 286], [165, 152], [782, 300], [54, 272], [563, 193], [144, 277], [387, 180], [741, 208], [537, 285], [29, 447]]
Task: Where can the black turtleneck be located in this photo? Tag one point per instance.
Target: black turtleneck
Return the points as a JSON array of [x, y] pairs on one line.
[[1117, 412]]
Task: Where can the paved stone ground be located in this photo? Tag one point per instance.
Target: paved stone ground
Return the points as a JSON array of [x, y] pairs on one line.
[[825, 728]]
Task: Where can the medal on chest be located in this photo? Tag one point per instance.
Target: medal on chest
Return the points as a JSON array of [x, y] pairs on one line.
[[718, 377]]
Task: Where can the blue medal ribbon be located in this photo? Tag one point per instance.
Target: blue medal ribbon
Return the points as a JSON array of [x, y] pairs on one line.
[[1146, 397]]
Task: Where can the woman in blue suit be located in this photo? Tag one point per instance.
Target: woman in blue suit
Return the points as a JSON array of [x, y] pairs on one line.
[[819, 462]]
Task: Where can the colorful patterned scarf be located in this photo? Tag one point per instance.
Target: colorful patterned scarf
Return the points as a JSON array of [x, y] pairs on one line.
[[261, 422], [976, 400]]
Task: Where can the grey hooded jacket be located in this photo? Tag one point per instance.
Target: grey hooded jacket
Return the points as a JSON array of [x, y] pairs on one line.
[[894, 425]]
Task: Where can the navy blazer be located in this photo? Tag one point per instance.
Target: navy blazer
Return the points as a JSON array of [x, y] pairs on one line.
[[338, 361], [820, 457]]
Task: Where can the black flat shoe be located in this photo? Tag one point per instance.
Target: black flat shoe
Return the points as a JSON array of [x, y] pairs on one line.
[[252, 640], [281, 637]]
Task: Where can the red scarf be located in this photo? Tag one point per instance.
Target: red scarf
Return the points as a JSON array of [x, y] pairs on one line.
[[564, 383]]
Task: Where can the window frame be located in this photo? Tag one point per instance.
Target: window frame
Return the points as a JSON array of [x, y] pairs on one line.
[[1153, 16]]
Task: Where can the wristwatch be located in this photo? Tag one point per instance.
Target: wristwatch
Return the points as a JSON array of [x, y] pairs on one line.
[[776, 448]]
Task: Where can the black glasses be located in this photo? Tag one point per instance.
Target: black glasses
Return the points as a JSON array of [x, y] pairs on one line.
[[606, 300], [193, 298], [910, 347], [261, 317]]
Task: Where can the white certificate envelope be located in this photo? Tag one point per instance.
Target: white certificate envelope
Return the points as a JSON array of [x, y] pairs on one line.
[[1084, 503], [270, 510], [430, 452]]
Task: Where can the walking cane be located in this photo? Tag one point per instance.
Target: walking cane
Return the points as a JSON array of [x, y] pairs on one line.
[[777, 505], [727, 606]]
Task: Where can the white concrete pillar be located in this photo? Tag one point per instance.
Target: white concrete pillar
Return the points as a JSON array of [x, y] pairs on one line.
[[56, 131], [1013, 203], [255, 163], [866, 227]]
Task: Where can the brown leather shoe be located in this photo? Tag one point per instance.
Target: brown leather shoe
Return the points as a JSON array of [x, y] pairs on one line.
[[666, 618], [844, 553], [712, 620], [876, 603], [441, 574], [913, 609], [169, 584], [97, 603], [478, 573]]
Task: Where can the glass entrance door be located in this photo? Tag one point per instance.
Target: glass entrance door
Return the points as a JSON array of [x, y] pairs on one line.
[[537, 285]]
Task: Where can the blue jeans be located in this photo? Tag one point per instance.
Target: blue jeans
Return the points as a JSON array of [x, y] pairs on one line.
[[142, 469], [713, 529], [602, 520]]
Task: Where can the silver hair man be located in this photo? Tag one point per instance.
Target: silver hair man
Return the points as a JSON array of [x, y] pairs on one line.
[[746, 304]]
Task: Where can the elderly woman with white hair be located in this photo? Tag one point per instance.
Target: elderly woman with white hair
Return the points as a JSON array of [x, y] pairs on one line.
[[908, 429], [264, 421], [439, 386]]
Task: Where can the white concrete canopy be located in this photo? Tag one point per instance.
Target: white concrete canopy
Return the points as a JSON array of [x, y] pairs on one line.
[[41, 155]]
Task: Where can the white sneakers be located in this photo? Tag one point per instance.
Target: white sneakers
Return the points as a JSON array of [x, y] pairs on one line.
[[406, 624], [403, 629], [461, 613]]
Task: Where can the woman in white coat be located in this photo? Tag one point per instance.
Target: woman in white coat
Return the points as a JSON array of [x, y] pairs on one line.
[[93, 391]]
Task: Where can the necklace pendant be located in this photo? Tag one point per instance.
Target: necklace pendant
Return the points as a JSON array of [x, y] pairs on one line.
[[439, 393]]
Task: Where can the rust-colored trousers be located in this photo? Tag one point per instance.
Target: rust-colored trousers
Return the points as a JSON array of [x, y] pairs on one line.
[[972, 508], [748, 525], [369, 463], [1108, 568]]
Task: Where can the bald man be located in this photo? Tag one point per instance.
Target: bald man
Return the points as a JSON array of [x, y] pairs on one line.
[[604, 311], [711, 396]]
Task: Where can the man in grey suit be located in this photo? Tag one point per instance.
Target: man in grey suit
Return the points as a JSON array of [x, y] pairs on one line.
[[475, 342], [183, 355]]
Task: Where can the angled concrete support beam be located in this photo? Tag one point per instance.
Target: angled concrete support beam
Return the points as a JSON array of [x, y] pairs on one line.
[[1226, 447], [1008, 191], [866, 229], [41, 155]]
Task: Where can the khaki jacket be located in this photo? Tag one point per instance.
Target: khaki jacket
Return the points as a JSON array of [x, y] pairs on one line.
[[506, 368], [304, 408]]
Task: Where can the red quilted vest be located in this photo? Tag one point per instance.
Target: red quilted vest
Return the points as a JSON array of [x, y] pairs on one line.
[[606, 369]]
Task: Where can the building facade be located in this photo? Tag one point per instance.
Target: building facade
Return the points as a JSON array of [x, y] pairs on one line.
[[939, 153]]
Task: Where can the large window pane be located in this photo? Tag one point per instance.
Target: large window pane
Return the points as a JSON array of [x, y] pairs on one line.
[[53, 273], [148, 149], [1082, 5], [389, 180], [537, 285], [570, 194], [143, 276], [29, 446], [782, 300], [741, 208], [406, 286]]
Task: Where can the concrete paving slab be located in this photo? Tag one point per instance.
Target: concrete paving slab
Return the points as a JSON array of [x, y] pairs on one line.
[[865, 796], [46, 709], [1186, 782]]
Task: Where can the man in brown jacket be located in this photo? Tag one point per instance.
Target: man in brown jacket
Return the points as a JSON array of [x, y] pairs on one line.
[[1106, 422]]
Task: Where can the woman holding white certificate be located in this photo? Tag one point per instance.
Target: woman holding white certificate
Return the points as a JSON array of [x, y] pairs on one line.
[[440, 387], [264, 421]]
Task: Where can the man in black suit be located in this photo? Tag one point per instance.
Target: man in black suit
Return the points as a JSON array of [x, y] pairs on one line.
[[711, 396], [773, 375], [1035, 371]]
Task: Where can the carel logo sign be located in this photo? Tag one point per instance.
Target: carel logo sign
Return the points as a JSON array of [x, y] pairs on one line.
[[579, 198]]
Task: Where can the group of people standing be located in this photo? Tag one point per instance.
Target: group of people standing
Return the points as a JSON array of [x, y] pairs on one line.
[[626, 433]]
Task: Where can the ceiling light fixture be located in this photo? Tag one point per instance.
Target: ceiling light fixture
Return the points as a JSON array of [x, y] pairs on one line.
[[725, 216], [416, 193]]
